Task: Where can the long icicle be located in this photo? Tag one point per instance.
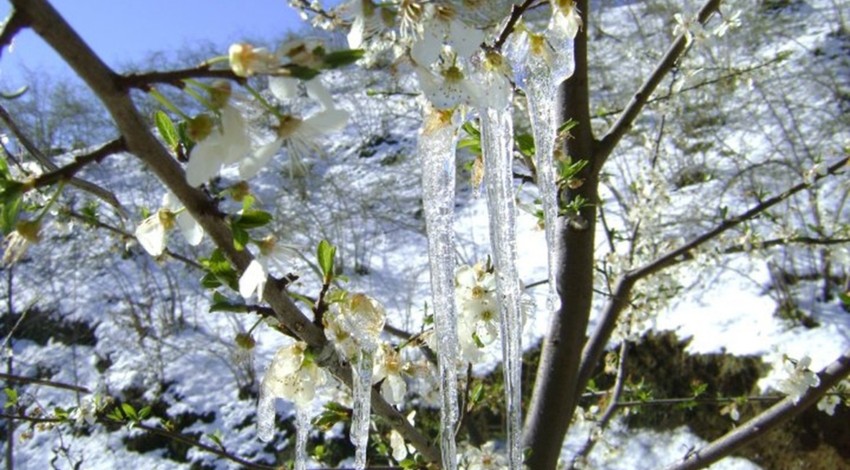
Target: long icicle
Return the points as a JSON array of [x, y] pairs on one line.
[[497, 144], [541, 94], [361, 398], [436, 149], [302, 428]]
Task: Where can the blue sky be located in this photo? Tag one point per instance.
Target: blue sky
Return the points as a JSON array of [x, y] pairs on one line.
[[121, 31]]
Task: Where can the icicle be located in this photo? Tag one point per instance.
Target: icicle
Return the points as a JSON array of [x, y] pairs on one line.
[[363, 318], [437, 150], [302, 428], [497, 145], [541, 63], [361, 391]]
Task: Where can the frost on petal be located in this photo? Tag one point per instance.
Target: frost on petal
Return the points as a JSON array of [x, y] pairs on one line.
[[151, 235], [464, 38], [283, 88], [427, 50], [253, 280], [191, 230], [260, 158]]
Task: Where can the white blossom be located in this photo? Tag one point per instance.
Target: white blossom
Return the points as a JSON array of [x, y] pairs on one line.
[[247, 60], [293, 376], [828, 403], [151, 233], [226, 144], [298, 136], [799, 378], [484, 458], [389, 368]]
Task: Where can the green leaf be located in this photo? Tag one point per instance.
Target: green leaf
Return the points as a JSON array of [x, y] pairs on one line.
[[342, 58], [525, 144], [325, 256], [129, 411], [240, 238], [222, 303], [300, 72], [145, 412], [249, 219], [216, 437], [220, 272], [476, 394], [166, 129], [11, 199], [11, 397], [115, 415]]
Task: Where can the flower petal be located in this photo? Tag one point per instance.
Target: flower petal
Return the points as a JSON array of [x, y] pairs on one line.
[[151, 235], [191, 230], [253, 164], [253, 280]]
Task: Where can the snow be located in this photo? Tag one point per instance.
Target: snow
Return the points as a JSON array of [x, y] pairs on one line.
[[151, 318]]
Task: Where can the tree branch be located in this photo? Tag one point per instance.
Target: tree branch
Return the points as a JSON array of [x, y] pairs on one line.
[[143, 81], [67, 172], [12, 25], [46, 162], [599, 339], [47, 383], [642, 95], [106, 84], [768, 420], [516, 14]]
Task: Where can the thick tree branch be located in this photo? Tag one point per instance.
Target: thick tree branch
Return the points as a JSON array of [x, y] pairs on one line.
[[106, 84], [768, 420], [554, 397], [12, 25], [642, 95]]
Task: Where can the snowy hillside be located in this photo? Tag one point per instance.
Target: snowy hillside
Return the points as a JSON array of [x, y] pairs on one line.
[[746, 115]]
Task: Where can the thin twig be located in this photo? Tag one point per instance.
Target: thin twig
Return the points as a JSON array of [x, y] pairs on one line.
[[46, 162], [516, 14], [643, 94], [46, 383], [67, 172], [143, 81]]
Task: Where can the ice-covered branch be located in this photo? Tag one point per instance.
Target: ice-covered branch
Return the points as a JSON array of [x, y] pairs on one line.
[[643, 94], [106, 84], [767, 420]]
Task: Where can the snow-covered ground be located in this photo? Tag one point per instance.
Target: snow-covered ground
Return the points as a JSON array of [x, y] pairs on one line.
[[156, 341]]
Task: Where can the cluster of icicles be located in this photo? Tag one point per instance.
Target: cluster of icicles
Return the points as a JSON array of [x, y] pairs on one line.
[[538, 74], [537, 67]]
